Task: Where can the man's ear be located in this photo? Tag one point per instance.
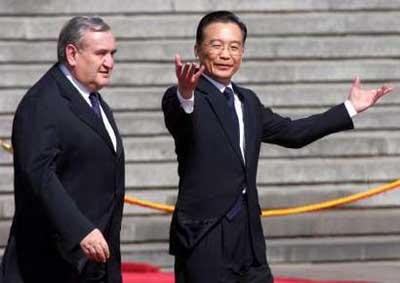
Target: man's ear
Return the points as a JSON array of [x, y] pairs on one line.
[[70, 53]]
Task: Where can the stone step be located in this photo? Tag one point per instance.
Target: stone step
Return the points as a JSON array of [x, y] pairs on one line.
[[284, 172], [272, 95], [270, 197], [297, 250], [329, 249], [150, 74], [256, 49], [352, 144], [182, 25], [290, 171], [10, 7], [154, 253], [328, 223], [332, 223], [334, 249], [283, 196], [152, 123]]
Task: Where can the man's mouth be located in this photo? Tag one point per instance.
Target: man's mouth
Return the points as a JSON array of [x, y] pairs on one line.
[[223, 66], [105, 73]]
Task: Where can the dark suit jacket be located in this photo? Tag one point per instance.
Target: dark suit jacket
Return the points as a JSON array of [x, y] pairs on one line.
[[68, 181], [210, 166]]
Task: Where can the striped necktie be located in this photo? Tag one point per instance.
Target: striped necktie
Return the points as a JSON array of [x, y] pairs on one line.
[[95, 101]]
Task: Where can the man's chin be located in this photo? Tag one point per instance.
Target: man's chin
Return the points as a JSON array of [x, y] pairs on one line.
[[222, 78], [103, 83]]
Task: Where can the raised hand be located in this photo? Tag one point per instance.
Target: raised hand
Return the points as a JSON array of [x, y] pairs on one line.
[[95, 246], [363, 99], [188, 75]]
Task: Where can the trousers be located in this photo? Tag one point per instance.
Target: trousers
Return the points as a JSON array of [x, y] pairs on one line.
[[224, 255]]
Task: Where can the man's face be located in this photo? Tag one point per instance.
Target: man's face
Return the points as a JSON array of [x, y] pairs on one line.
[[221, 51], [92, 62]]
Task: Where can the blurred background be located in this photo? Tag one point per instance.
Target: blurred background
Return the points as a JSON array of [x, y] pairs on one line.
[[300, 57]]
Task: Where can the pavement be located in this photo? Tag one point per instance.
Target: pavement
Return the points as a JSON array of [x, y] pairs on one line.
[[379, 272]]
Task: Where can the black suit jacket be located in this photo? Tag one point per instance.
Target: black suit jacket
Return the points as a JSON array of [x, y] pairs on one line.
[[68, 181], [211, 169]]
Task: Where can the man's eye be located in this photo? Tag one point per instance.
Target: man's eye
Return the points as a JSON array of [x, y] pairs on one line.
[[101, 52], [216, 46]]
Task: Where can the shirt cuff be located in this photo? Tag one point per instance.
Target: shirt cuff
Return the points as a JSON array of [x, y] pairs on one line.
[[186, 104], [350, 108]]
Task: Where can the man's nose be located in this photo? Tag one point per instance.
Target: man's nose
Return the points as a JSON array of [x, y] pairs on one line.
[[225, 53], [109, 61]]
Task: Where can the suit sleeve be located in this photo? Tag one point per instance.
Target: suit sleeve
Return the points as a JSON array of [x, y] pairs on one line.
[[177, 121], [37, 150], [298, 133]]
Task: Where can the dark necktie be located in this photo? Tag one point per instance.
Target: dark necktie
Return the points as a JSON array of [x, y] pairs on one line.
[[228, 94], [94, 100]]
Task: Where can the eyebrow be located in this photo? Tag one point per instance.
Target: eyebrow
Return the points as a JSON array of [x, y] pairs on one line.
[[220, 40], [113, 51]]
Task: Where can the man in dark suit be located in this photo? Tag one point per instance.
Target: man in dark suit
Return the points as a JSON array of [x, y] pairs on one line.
[[68, 167], [218, 126]]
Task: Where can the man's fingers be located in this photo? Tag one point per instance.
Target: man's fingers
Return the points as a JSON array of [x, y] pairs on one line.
[[106, 250], [178, 65], [384, 90], [95, 246], [187, 74], [188, 71], [97, 253], [178, 60], [199, 72], [185, 70], [90, 253], [356, 83], [387, 89], [191, 71], [101, 254]]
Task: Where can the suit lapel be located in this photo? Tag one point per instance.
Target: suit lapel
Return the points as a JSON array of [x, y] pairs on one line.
[[80, 107], [249, 123], [110, 118], [221, 110]]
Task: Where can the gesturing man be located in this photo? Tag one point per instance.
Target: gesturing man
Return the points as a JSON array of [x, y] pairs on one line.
[[218, 126], [69, 168]]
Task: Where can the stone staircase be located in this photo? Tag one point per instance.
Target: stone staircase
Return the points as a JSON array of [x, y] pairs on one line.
[[301, 57]]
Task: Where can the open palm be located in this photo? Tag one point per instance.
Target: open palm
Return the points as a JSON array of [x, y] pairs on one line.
[[363, 99]]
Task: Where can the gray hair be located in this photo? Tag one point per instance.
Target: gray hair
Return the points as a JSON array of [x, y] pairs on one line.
[[74, 30]]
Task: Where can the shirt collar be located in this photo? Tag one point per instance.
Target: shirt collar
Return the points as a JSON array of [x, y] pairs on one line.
[[80, 87], [221, 87]]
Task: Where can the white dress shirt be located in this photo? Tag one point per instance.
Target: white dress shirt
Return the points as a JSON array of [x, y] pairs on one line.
[[85, 94], [188, 105]]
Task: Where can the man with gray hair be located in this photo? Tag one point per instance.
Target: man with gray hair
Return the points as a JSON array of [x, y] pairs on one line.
[[68, 167]]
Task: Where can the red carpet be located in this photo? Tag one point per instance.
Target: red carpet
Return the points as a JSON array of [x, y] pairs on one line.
[[144, 273]]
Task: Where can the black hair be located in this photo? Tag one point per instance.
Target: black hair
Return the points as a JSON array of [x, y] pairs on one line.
[[219, 17]]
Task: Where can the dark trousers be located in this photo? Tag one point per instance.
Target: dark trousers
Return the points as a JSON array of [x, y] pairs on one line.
[[224, 255], [93, 272]]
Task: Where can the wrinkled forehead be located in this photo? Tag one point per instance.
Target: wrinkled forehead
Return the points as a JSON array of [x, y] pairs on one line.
[[98, 39], [223, 31]]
